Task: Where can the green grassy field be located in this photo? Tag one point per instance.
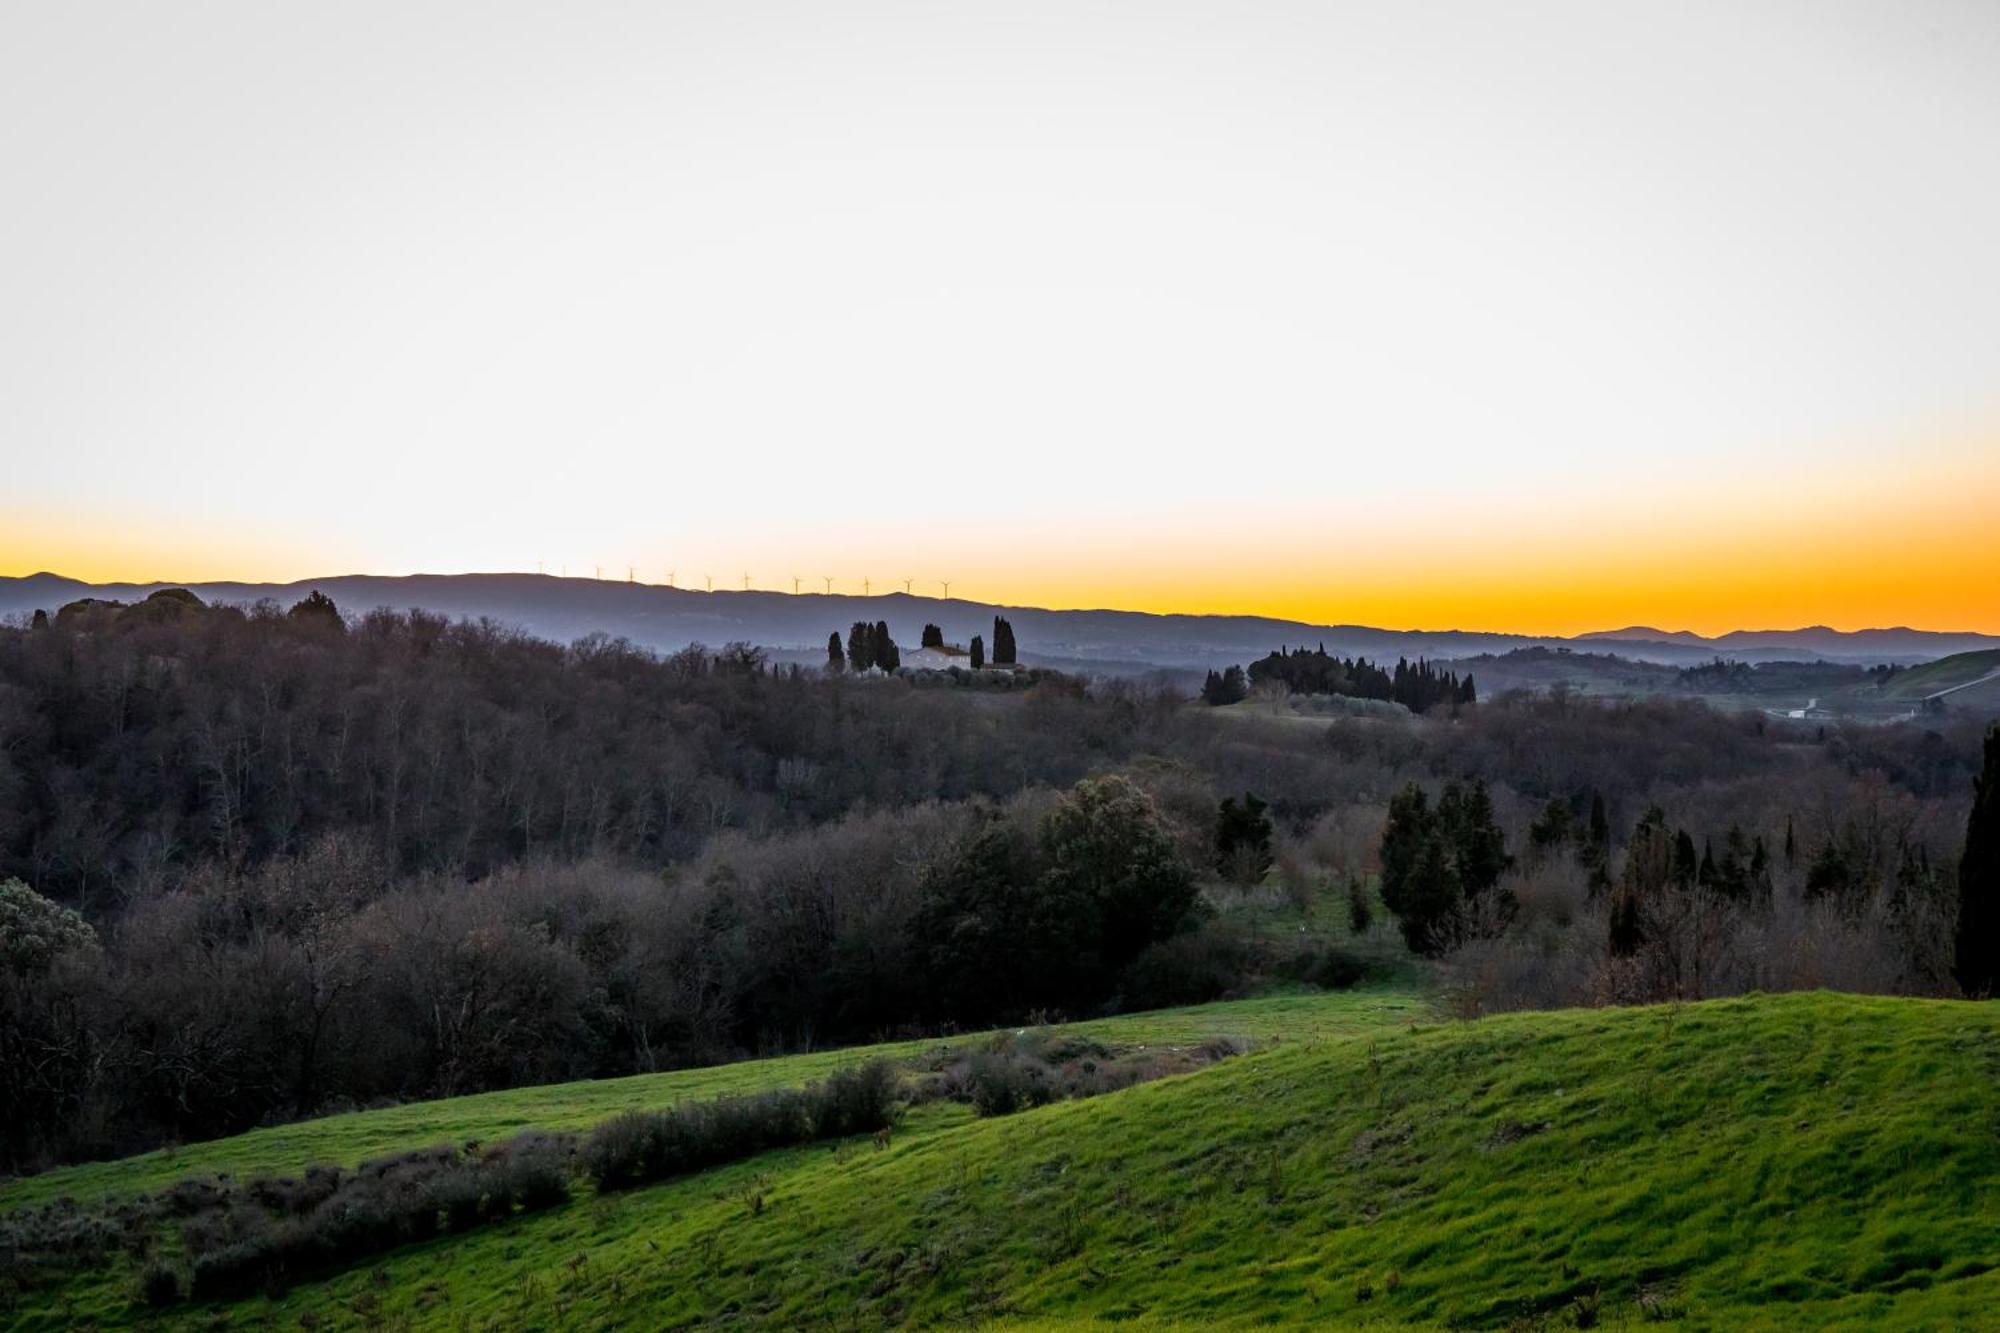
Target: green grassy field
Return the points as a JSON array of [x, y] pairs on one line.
[[1791, 1161], [347, 1139]]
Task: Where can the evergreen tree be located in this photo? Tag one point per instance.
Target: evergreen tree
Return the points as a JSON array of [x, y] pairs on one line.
[[978, 652], [887, 655], [1359, 915], [1003, 643], [1552, 827], [1243, 838], [933, 637], [836, 660], [1687, 869], [1977, 942], [317, 610], [861, 646], [1225, 687]]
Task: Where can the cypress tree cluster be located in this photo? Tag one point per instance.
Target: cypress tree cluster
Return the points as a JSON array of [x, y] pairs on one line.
[[870, 646], [1436, 860], [1225, 687], [1003, 643], [1417, 686], [933, 637]]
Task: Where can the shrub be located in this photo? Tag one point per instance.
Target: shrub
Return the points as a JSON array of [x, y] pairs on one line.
[[159, 1285], [639, 1147]]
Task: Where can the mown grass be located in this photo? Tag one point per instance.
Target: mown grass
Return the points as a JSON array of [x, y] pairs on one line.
[[344, 1140], [1772, 1162]]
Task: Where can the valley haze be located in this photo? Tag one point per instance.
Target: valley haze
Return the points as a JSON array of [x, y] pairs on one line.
[[1100, 640]]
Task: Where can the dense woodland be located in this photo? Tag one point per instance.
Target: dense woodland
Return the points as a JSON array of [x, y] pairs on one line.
[[270, 862]]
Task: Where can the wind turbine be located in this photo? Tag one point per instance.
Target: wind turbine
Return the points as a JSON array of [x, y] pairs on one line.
[[600, 572], [829, 583], [947, 588], [795, 585], [670, 578], [865, 585], [906, 586], [711, 581], [629, 572], [746, 583]]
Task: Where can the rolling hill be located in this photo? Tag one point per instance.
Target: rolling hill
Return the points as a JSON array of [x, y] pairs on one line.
[[1797, 1161], [796, 626], [1947, 673]]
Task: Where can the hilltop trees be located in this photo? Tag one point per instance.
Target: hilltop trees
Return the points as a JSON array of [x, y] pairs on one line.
[[1417, 686], [317, 611], [1977, 938]]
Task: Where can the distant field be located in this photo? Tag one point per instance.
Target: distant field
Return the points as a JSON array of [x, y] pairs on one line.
[[1807, 1160]]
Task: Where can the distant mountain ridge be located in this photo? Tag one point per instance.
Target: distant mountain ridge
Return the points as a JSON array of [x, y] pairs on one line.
[[797, 625]]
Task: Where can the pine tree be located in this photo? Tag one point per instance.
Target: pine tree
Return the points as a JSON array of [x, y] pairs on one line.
[[933, 637], [978, 652], [1978, 935], [836, 660]]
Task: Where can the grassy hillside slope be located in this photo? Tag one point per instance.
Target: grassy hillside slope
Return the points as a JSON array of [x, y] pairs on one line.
[[347, 1139], [1928, 679], [1776, 1161]]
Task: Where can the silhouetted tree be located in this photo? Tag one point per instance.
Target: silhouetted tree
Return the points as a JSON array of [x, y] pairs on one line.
[[978, 652], [933, 637], [836, 659], [317, 609], [887, 656], [861, 646], [1003, 643], [1243, 838], [1976, 941], [1224, 687]]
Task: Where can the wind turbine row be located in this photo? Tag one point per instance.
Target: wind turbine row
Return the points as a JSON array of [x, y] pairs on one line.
[[708, 580]]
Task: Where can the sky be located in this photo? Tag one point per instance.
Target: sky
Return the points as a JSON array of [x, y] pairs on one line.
[[1536, 317]]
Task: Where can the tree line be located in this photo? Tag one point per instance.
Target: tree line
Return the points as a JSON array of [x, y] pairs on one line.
[[1417, 686]]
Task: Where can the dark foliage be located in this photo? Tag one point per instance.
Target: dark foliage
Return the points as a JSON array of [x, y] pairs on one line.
[[641, 1147], [1436, 861], [1976, 940], [1228, 686], [1419, 687], [1243, 838]]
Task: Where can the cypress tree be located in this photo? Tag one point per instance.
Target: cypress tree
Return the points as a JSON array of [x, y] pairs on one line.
[[1687, 869], [933, 637], [978, 652], [1978, 937], [861, 646], [836, 660], [1003, 643], [886, 655]]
